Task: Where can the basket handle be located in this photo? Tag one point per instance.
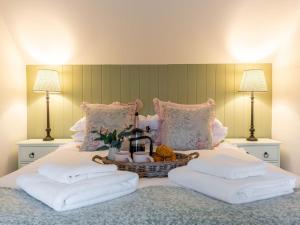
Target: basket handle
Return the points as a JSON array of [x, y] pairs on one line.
[[97, 159], [193, 155]]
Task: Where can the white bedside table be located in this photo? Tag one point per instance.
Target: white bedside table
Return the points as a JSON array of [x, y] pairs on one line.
[[33, 149], [265, 149]]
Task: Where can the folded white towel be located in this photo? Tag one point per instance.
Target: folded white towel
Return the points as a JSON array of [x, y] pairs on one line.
[[229, 166], [63, 197], [236, 191], [73, 173]]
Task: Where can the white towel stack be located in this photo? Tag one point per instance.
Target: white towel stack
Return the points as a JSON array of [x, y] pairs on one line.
[[65, 187], [233, 176], [229, 166], [73, 173]]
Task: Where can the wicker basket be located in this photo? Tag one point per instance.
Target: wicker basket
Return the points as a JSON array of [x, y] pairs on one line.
[[150, 169]]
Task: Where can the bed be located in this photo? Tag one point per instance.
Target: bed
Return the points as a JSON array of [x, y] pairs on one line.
[[157, 201]]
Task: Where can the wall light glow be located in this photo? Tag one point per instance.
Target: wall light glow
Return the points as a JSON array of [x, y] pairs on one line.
[[47, 48], [256, 35], [47, 40]]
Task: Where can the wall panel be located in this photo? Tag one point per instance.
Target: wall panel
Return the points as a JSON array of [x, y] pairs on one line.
[[193, 83]]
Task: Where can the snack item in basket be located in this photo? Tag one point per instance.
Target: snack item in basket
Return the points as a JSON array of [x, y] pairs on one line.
[[157, 158], [164, 153]]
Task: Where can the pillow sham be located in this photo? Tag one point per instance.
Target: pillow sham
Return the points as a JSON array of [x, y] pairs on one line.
[[219, 132], [80, 124], [186, 128], [108, 117], [78, 136], [159, 106], [151, 121]]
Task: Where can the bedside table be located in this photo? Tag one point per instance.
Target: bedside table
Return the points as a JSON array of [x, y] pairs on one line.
[[33, 149], [264, 149]]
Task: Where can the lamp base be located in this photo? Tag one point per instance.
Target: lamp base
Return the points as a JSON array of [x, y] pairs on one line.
[[48, 138], [252, 138]]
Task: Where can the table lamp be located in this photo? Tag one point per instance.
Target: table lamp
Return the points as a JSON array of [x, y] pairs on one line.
[[253, 81], [47, 81]]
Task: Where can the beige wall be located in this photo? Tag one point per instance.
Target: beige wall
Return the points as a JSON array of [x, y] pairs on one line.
[[12, 101], [148, 31], [286, 102]]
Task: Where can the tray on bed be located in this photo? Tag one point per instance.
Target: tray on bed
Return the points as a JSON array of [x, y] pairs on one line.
[[150, 169]]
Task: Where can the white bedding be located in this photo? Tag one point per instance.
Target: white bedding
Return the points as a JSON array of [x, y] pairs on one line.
[[69, 153], [62, 196], [234, 191]]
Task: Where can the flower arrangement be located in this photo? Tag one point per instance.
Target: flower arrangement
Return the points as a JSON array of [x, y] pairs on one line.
[[111, 139]]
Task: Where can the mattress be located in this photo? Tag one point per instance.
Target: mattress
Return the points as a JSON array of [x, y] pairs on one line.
[[69, 153]]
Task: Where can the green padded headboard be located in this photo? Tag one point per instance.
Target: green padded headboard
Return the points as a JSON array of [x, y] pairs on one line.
[[178, 83]]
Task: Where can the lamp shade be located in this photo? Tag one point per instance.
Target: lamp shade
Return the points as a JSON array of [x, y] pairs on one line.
[[253, 80], [47, 80]]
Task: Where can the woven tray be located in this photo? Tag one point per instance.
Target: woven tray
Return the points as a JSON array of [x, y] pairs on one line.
[[149, 169]]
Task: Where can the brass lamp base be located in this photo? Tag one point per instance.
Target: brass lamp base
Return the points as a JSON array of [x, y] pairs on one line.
[[252, 138], [48, 129], [48, 138], [252, 129]]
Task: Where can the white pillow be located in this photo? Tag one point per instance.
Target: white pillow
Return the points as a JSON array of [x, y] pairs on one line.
[[150, 120], [78, 137], [79, 125], [219, 132]]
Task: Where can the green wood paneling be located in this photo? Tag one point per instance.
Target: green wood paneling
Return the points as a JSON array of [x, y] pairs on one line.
[[179, 83]]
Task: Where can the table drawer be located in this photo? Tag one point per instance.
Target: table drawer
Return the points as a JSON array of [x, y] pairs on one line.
[[30, 154], [267, 153]]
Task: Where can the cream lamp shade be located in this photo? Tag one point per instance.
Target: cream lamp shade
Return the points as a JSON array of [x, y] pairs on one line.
[[47, 80], [253, 81]]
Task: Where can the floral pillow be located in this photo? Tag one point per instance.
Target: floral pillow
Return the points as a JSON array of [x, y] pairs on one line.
[[186, 127], [80, 124], [159, 106], [105, 117]]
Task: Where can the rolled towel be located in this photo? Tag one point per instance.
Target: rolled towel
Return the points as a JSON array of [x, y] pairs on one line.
[[75, 172], [236, 191], [63, 197], [229, 166]]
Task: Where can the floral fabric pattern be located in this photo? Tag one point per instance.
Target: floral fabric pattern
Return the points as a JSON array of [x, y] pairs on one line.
[[110, 117], [186, 129], [151, 205]]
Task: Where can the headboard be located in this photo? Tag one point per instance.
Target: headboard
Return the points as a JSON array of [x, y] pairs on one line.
[[179, 83]]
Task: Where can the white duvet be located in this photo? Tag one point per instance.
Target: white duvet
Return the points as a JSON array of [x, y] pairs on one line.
[[69, 154]]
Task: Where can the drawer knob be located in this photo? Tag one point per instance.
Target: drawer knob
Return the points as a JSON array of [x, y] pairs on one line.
[[266, 155], [31, 155]]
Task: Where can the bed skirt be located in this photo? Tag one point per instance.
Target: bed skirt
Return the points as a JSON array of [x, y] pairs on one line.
[[152, 205]]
